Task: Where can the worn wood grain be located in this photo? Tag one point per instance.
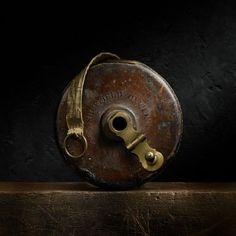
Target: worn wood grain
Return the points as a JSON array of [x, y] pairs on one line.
[[81, 209]]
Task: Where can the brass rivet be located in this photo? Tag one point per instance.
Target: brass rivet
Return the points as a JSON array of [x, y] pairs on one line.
[[151, 158]]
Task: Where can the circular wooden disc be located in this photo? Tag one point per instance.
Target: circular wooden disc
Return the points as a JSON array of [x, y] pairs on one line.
[[157, 114]]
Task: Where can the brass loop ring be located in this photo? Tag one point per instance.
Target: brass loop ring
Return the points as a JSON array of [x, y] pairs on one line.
[[82, 139]]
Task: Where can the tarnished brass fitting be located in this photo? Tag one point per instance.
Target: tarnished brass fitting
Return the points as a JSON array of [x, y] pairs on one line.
[[119, 124]]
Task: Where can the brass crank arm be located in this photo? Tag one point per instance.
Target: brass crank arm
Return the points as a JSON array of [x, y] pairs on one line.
[[120, 125]]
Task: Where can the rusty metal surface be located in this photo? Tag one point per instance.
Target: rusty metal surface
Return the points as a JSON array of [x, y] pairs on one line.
[[154, 209], [155, 108]]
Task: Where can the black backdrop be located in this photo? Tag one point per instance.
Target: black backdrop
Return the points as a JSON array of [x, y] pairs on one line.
[[192, 45]]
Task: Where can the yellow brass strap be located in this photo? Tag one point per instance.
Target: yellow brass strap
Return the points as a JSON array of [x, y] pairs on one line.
[[135, 142], [74, 116]]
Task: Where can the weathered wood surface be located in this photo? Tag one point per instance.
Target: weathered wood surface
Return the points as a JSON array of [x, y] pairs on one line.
[[154, 209]]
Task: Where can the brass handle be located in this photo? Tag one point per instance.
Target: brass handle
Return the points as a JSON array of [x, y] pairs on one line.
[[119, 124]]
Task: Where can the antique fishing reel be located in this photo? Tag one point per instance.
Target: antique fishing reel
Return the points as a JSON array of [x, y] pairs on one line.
[[118, 122]]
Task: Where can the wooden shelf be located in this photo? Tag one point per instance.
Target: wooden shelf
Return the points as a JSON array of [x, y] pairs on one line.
[[81, 209]]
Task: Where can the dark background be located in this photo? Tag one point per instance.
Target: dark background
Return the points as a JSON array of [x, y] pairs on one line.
[[192, 45]]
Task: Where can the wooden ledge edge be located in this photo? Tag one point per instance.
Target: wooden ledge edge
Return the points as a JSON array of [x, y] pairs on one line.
[[8, 187]]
